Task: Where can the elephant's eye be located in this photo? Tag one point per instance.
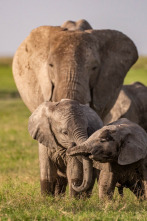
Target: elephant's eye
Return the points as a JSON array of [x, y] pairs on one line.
[[65, 132], [94, 68], [51, 65]]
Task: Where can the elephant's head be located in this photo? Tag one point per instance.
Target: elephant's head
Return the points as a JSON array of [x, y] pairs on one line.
[[122, 141], [89, 66], [78, 25], [64, 124]]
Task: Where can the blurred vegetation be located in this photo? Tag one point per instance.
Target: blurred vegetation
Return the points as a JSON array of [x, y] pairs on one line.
[[20, 197]]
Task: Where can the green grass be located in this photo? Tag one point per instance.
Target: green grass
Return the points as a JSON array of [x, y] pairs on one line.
[[20, 197]]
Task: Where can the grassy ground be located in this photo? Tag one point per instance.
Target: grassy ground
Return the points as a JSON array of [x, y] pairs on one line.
[[20, 197]]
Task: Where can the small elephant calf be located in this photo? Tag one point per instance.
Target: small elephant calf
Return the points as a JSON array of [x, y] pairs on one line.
[[58, 126], [119, 150]]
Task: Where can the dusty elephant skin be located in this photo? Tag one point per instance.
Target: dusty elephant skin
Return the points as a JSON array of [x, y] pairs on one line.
[[131, 104], [58, 126], [53, 63], [119, 150]]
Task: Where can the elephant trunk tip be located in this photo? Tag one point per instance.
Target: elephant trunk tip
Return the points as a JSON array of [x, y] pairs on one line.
[[84, 186]]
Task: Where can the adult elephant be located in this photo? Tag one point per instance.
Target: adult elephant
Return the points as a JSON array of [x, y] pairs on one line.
[[88, 66]]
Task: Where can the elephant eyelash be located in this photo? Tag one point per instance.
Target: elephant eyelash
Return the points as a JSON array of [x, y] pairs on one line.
[[51, 65]]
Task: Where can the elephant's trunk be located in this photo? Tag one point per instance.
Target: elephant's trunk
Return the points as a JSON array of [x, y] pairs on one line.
[[87, 176], [87, 169], [70, 86]]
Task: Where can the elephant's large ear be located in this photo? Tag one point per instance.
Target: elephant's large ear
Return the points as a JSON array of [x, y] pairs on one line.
[[94, 121], [134, 147], [117, 54], [120, 108], [31, 67], [39, 125]]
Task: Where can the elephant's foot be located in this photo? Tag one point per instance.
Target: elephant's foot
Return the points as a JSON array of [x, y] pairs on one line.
[[138, 190], [60, 187], [47, 188]]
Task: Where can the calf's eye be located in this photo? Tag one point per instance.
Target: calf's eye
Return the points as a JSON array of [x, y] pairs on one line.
[[65, 132]]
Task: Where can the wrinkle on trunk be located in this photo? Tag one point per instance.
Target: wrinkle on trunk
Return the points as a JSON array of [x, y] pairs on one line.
[[87, 176], [87, 167], [72, 84]]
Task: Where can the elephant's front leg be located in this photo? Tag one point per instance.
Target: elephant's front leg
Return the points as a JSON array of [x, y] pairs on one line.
[[48, 171], [107, 183], [60, 187], [145, 180]]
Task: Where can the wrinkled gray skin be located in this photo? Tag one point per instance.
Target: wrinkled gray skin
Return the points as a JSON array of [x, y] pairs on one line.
[[119, 150], [58, 126], [131, 104], [53, 63], [78, 25]]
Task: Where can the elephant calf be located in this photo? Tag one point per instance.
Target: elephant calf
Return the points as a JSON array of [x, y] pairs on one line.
[[58, 126], [131, 104], [120, 151]]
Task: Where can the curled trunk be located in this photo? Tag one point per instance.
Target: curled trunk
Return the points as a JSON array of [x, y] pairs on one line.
[[87, 176], [87, 168]]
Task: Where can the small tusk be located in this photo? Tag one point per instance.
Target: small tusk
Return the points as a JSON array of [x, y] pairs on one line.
[[66, 99]]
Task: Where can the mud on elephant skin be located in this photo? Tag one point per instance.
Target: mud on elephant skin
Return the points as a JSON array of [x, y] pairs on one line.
[[119, 150], [131, 104], [58, 126], [53, 63]]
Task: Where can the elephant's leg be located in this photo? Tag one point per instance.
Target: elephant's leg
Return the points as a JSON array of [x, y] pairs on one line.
[[145, 181], [48, 171], [95, 176], [120, 189], [138, 189], [107, 183], [60, 187]]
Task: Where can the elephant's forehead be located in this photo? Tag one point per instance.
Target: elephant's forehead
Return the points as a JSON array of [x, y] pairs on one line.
[[71, 39]]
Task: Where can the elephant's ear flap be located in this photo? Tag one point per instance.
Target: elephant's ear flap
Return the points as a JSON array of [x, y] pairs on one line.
[[133, 149], [39, 125], [120, 107], [117, 53], [31, 69]]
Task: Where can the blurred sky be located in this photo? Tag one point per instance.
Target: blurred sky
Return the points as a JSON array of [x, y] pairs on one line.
[[19, 17]]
